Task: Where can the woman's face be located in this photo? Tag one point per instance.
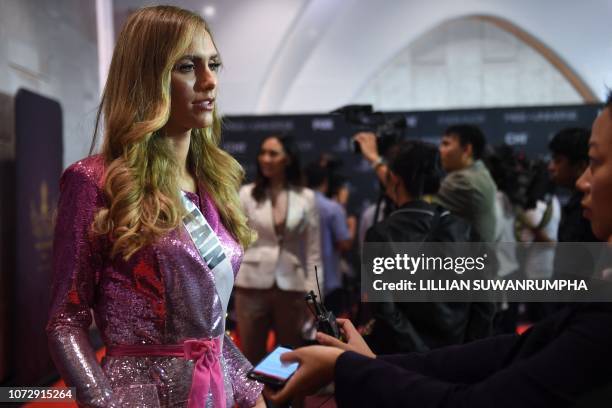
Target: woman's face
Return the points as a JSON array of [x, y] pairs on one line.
[[272, 158], [193, 86], [596, 181]]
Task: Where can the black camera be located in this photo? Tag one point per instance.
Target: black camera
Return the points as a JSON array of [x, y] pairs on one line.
[[389, 130], [324, 319], [523, 180]]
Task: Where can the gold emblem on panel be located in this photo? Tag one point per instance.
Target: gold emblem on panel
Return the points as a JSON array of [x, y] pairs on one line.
[[42, 223]]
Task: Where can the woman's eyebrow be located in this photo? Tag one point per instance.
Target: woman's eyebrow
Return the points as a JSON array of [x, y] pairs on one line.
[[194, 57]]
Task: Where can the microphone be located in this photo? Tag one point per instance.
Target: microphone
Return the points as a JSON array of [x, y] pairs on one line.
[[325, 320]]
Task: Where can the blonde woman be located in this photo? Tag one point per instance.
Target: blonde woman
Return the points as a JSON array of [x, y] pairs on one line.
[[150, 233]]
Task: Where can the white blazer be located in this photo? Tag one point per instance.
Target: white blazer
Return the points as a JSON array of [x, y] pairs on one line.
[[290, 265]]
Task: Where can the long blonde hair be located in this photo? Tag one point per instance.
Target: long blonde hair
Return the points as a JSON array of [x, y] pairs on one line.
[[141, 177]]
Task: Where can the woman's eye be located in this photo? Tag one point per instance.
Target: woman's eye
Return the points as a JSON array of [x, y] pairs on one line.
[[214, 66], [186, 67]]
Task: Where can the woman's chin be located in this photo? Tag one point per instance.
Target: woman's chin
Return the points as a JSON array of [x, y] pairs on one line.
[[269, 174], [203, 121], [600, 231]]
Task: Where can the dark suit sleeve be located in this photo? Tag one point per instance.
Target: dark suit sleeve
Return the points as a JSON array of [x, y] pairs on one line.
[[564, 367], [458, 363]]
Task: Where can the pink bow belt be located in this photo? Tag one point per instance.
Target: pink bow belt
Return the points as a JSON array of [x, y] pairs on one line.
[[207, 374]]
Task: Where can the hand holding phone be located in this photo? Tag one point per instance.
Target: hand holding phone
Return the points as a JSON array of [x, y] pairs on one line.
[[272, 371]]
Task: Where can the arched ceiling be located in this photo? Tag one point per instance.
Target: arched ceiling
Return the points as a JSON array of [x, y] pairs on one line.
[[314, 55]]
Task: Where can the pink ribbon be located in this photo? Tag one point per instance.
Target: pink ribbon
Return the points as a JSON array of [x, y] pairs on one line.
[[207, 376], [206, 373]]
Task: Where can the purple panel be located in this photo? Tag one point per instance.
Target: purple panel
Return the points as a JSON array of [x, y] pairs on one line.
[[39, 150]]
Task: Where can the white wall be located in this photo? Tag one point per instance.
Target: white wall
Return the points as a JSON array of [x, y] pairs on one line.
[[466, 63], [365, 35], [50, 47]]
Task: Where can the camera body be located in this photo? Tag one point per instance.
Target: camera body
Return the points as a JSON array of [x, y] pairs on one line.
[[523, 180], [388, 129]]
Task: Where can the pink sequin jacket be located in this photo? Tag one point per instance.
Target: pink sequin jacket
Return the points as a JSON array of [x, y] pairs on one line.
[[162, 295]]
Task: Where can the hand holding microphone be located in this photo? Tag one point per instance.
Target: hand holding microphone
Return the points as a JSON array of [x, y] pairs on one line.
[[354, 340]]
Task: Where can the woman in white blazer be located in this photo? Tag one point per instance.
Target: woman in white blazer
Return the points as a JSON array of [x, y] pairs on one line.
[[278, 269]]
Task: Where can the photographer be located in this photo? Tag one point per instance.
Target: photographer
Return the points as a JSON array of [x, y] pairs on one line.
[[468, 189], [414, 171]]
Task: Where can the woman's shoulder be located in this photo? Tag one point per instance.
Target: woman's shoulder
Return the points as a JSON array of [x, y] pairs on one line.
[[304, 192], [89, 170], [245, 192], [247, 188]]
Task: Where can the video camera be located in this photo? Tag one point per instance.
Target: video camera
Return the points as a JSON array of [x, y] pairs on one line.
[[389, 130], [523, 180]]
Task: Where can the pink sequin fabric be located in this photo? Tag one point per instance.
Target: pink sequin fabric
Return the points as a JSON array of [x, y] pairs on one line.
[[163, 294]]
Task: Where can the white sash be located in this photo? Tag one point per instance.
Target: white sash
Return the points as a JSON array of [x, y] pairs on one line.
[[210, 248]]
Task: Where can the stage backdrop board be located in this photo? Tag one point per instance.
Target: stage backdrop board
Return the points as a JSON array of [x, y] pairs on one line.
[[7, 223], [527, 129], [38, 165]]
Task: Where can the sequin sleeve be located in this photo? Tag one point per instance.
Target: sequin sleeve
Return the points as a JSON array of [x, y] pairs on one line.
[[75, 264], [246, 391]]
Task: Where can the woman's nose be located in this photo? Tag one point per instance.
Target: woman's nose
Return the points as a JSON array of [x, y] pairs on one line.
[[207, 80], [583, 183]]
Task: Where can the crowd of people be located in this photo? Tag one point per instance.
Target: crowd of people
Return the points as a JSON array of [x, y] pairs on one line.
[[156, 233]]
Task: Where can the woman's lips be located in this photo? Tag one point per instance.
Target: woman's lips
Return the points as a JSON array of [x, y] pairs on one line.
[[205, 105]]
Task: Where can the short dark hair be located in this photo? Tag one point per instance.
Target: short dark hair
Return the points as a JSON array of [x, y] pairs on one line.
[[418, 165], [469, 135], [572, 143], [315, 175]]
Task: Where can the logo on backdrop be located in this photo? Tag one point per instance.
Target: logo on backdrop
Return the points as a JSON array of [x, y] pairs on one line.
[[516, 138], [42, 223], [235, 147], [412, 120], [326, 124], [542, 116], [454, 119]]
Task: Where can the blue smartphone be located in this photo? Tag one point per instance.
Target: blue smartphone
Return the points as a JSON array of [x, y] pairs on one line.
[[272, 371]]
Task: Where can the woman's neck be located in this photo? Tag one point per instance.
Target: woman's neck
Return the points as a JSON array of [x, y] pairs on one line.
[[402, 196], [403, 201], [179, 143], [276, 184]]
